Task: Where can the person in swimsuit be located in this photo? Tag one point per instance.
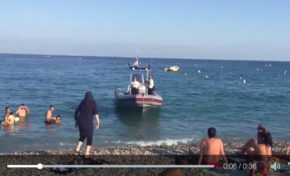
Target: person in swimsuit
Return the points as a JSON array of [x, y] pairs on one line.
[[211, 149], [58, 119], [84, 118], [11, 119], [48, 115], [55, 120], [250, 146], [285, 149], [264, 151], [261, 148], [22, 111], [5, 120]]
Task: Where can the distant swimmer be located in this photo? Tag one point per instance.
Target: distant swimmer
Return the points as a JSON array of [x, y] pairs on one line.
[[244, 81], [206, 76], [199, 71], [48, 115], [211, 149], [285, 72], [241, 76], [22, 111]]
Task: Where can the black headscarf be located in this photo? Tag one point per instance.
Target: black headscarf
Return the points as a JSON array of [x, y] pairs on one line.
[[88, 99], [88, 103]]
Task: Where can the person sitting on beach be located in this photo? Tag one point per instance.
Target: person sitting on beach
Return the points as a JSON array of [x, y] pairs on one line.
[[211, 149], [285, 149], [151, 87], [264, 151], [6, 116], [22, 111], [48, 115], [251, 144], [135, 84], [262, 148]]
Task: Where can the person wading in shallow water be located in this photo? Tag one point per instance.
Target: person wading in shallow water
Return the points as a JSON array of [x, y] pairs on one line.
[[84, 118]]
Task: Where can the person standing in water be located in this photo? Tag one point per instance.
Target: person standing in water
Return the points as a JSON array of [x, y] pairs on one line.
[[48, 114], [6, 116], [84, 118], [22, 111]]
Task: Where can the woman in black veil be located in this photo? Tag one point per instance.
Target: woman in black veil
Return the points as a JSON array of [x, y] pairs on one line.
[[84, 118]]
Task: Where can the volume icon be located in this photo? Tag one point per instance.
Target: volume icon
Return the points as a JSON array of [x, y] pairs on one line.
[[275, 166]]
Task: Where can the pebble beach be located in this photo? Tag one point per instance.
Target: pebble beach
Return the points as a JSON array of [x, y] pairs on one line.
[[119, 155]]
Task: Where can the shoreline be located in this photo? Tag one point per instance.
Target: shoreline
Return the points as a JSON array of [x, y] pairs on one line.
[[124, 155], [176, 149]]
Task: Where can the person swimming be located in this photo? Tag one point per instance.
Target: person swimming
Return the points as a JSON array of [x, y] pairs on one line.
[[56, 120], [11, 119], [22, 111], [211, 149]]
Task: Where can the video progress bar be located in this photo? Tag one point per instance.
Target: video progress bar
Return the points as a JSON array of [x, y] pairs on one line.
[[41, 166]]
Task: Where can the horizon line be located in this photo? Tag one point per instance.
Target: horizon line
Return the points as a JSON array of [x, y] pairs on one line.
[[126, 57]]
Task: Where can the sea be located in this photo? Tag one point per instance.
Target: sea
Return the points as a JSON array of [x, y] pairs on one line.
[[232, 96]]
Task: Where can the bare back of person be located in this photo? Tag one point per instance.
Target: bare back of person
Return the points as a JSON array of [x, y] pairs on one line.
[[212, 149], [264, 151]]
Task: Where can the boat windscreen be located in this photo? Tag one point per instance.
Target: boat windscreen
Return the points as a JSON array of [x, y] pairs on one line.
[[138, 76]]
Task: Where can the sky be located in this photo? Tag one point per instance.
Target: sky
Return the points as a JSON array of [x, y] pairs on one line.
[[197, 29]]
